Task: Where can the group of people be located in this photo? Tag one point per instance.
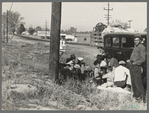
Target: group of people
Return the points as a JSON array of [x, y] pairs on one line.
[[75, 68], [110, 72]]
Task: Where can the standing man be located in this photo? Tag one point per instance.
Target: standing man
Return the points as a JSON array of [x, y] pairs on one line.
[[137, 59]]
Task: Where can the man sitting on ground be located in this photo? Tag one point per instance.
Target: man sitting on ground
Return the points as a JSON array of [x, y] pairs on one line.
[[110, 78], [122, 76], [99, 58], [72, 58]]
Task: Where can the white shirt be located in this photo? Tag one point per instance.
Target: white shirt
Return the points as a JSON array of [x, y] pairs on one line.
[[103, 64], [120, 74], [96, 72], [62, 42]]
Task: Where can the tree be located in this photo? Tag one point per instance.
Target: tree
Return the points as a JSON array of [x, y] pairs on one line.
[[14, 20], [31, 31], [20, 29], [72, 30], [62, 31], [118, 23], [38, 28]]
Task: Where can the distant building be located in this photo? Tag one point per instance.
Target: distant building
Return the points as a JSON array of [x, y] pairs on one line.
[[25, 33], [43, 33]]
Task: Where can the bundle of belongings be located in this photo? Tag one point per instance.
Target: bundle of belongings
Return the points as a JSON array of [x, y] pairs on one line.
[[111, 73]]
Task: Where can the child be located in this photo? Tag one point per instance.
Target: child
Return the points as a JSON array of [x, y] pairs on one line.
[[110, 78], [97, 76], [82, 75]]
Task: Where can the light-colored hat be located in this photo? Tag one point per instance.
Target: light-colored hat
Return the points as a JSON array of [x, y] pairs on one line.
[[122, 62], [80, 58], [77, 66]]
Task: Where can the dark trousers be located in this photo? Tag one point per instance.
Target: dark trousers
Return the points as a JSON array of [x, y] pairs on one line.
[[97, 81], [121, 84], [66, 73], [136, 80]]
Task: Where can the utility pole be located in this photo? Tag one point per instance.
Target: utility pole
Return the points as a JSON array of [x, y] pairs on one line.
[[55, 40], [4, 33], [107, 16], [7, 27], [46, 29], [129, 23]]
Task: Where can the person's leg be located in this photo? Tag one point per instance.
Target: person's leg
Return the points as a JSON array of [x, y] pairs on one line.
[[104, 85], [139, 83], [94, 82], [132, 73], [99, 81], [110, 84]]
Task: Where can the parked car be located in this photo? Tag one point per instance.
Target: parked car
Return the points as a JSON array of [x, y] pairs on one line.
[[121, 45]]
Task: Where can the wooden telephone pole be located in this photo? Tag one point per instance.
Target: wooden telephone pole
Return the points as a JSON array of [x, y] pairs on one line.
[[108, 16], [46, 29], [7, 27], [129, 23], [55, 40]]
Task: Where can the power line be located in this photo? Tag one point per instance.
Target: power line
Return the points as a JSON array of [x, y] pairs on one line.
[[7, 27], [11, 6]]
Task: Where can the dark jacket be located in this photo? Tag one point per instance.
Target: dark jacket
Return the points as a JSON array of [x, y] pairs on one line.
[[138, 54], [113, 62]]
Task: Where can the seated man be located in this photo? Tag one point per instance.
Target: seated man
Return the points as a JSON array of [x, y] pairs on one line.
[[66, 68], [85, 71], [79, 61], [99, 58], [122, 76], [110, 78], [103, 61], [72, 57]]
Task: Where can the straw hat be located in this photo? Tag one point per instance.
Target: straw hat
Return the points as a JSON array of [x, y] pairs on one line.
[[80, 58]]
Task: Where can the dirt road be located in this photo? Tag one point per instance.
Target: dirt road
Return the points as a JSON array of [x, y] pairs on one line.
[[87, 52], [20, 39]]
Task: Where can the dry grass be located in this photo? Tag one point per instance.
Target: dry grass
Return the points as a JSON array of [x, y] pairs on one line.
[[16, 58]]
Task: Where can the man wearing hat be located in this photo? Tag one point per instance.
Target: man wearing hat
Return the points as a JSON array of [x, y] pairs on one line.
[[137, 59]]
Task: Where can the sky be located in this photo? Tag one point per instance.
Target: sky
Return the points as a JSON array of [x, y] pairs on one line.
[[81, 15]]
